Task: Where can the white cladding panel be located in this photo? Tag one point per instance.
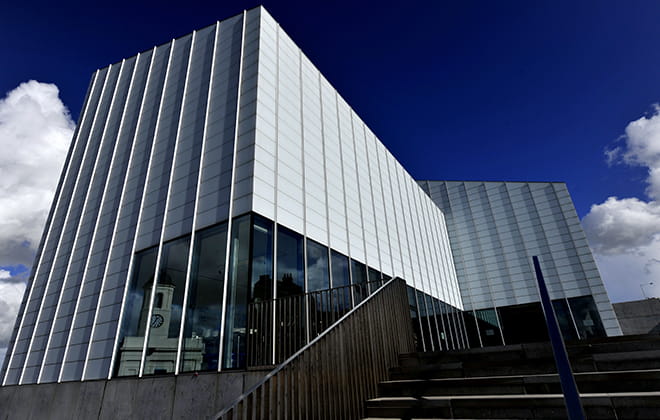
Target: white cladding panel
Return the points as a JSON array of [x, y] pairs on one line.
[[319, 170]]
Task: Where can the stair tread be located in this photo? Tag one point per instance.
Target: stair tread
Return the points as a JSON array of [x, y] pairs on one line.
[[649, 372], [517, 396], [617, 377]]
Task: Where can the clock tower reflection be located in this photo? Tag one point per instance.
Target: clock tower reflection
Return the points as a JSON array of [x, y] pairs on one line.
[[163, 343]]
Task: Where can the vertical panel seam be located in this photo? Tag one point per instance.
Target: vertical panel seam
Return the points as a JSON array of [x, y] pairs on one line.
[[231, 197], [114, 231], [166, 209], [100, 208], [64, 224], [202, 149]]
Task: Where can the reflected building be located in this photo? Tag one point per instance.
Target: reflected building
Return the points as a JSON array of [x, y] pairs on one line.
[[161, 354], [221, 205]]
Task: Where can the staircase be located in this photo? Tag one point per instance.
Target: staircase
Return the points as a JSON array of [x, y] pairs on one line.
[[618, 378]]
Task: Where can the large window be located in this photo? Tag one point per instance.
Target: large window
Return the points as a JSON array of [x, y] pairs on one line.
[[318, 275], [279, 291], [290, 313], [261, 286], [435, 332], [564, 319], [374, 280], [586, 317], [237, 295], [359, 279], [290, 269], [489, 327], [204, 310], [260, 314], [414, 315], [131, 339], [165, 321], [341, 278]]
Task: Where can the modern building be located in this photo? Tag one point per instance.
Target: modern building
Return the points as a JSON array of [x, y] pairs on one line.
[[494, 230], [222, 204]]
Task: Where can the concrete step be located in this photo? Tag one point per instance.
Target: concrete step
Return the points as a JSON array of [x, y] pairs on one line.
[[484, 366], [623, 381], [640, 405], [535, 351]]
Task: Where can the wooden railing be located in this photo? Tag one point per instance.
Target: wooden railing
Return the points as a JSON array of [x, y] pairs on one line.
[[332, 376]]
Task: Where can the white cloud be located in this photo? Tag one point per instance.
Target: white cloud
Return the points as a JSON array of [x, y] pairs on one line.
[[620, 226], [625, 233], [10, 299], [35, 132]]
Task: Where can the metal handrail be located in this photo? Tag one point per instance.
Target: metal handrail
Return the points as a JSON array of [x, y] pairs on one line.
[[333, 380]]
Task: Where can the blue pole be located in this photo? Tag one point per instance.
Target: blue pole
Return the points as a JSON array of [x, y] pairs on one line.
[[571, 394]]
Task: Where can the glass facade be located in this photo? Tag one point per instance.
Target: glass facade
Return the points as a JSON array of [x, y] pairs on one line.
[[318, 269], [165, 321], [237, 294], [267, 317], [578, 318], [204, 308], [290, 268], [133, 328], [586, 317], [359, 280]]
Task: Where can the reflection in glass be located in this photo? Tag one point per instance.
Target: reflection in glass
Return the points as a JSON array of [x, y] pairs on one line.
[[131, 336], [318, 277], [449, 324], [424, 321], [374, 280], [586, 317], [340, 273], [489, 329], [290, 270], [471, 329], [204, 310], [260, 312], [341, 278], [564, 319], [233, 355], [165, 322], [435, 333], [414, 315], [290, 314], [261, 287], [444, 334], [359, 279]]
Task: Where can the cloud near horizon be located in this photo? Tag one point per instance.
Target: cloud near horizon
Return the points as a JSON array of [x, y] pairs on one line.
[[624, 233], [35, 133]]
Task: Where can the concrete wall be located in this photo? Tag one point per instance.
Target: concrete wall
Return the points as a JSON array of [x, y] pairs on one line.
[[639, 317], [185, 396]]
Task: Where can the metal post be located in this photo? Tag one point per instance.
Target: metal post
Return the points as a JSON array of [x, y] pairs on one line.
[[571, 394]]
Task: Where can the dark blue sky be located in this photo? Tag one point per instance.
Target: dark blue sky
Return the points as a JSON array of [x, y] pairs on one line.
[[457, 90]]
